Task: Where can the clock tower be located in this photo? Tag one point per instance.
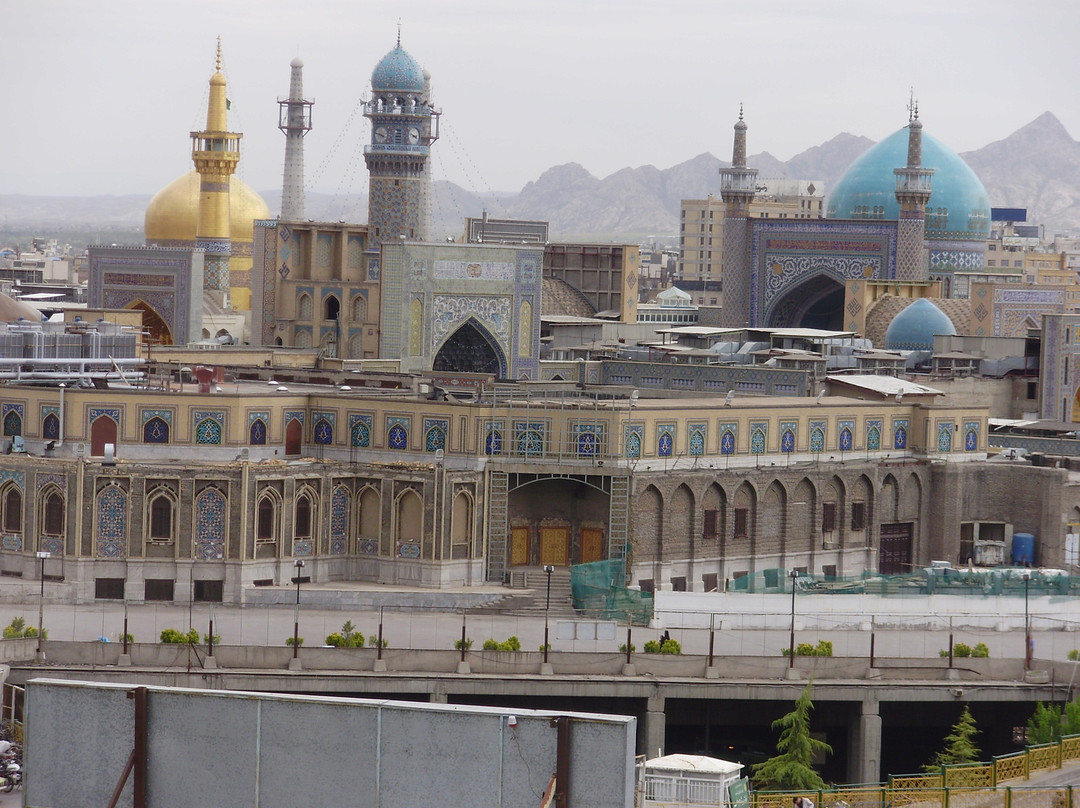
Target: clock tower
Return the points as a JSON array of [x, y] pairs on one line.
[[404, 124]]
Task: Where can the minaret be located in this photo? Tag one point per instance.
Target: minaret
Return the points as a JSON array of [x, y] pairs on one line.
[[737, 187], [215, 152], [912, 192], [403, 126], [294, 119]]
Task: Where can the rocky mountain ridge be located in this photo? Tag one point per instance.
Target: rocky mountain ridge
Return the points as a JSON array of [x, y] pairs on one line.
[[1037, 167]]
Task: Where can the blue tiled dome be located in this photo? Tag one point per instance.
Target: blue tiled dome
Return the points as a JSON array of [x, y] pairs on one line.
[[397, 72], [914, 328], [959, 207]]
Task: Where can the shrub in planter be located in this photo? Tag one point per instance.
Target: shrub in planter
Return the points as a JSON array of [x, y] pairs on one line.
[[1073, 655], [348, 637], [458, 644], [18, 628], [545, 647], [980, 651], [622, 648], [961, 650], [289, 641], [509, 644], [670, 647]]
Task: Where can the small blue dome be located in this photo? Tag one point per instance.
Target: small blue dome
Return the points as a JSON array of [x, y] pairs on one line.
[[959, 207], [914, 328], [397, 72]]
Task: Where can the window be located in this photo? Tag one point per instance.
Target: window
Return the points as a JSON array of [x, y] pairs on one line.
[[647, 585], [709, 528], [710, 581], [109, 588], [828, 517], [858, 516], [265, 520], [209, 591], [158, 589], [678, 584], [161, 517], [303, 517], [12, 505], [742, 521], [54, 514]]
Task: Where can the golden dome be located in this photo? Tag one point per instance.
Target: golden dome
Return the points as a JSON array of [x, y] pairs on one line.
[[172, 216]]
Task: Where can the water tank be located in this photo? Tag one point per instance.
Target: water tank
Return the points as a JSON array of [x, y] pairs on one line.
[[1023, 549]]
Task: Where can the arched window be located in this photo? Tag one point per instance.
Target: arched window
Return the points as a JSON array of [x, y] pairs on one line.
[[359, 309], [266, 519], [633, 445], [324, 432], [493, 442], [52, 512], [727, 442], [210, 525], [302, 524], [665, 443], [102, 431], [50, 427], [303, 307], [873, 439], [294, 436], [817, 440], [361, 434], [697, 442], [397, 437], [161, 515], [11, 502], [12, 423], [208, 432], [435, 439], [845, 440], [900, 438], [156, 430], [787, 442], [257, 433], [331, 307]]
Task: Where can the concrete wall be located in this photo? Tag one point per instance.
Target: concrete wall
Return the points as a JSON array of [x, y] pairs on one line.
[[216, 748]]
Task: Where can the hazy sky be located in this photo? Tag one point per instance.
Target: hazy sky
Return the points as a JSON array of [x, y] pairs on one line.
[[99, 97]]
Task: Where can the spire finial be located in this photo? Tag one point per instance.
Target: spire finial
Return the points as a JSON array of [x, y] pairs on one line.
[[916, 110], [217, 61], [911, 113], [740, 110], [399, 32]]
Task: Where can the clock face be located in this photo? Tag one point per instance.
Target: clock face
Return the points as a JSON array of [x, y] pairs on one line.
[[380, 134], [414, 136]]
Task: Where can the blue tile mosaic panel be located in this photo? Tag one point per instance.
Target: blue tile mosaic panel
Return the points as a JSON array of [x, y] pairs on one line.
[[435, 430], [635, 434], [339, 520], [971, 436], [397, 433], [209, 426], [323, 432], [665, 440], [156, 430], [210, 525], [493, 437], [873, 435], [588, 439], [817, 436], [759, 433], [945, 431], [112, 505], [900, 428], [845, 439], [12, 419], [728, 433], [257, 432], [360, 431], [529, 437], [50, 423], [788, 431], [696, 439]]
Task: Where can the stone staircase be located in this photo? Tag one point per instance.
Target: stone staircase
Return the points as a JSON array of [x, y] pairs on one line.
[[534, 581]]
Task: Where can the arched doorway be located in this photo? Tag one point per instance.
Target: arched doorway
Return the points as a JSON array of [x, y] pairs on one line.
[[294, 436], [158, 331], [470, 349], [818, 302], [558, 521], [102, 431]]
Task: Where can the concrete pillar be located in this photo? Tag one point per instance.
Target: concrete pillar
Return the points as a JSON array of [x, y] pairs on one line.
[[438, 697], [864, 749], [655, 726]]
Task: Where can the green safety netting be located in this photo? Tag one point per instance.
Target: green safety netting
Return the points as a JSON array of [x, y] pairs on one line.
[[599, 590]]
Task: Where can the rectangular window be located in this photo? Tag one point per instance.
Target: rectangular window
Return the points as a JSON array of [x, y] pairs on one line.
[[742, 521], [710, 527], [109, 588], [858, 516], [678, 584], [646, 585], [209, 591], [158, 589], [828, 570], [828, 517], [710, 581]]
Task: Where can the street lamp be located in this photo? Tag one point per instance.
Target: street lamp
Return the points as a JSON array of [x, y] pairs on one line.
[[42, 555], [791, 646], [1026, 578], [548, 568], [299, 564]]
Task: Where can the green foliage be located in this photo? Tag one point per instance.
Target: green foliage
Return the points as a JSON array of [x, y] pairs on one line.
[[980, 651], [545, 647], [18, 629], [130, 638], [668, 646], [511, 643], [959, 746], [652, 646], [1073, 655], [467, 644], [964, 650], [1047, 724], [206, 639], [491, 644], [348, 637], [823, 648], [622, 648], [792, 769], [961, 650], [289, 641], [172, 636]]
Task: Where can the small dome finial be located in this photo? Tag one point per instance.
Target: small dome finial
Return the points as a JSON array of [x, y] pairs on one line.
[[217, 61], [399, 32], [740, 110]]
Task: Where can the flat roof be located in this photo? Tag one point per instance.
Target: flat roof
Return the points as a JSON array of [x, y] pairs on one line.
[[885, 385]]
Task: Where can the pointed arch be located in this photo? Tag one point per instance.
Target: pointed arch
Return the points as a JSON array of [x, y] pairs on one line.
[[52, 517], [50, 427], [744, 518], [802, 519], [294, 436], [111, 521], [832, 514], [208, 432], [11, 506], [369, 522], [649, 530], [210, 510], [359, 309], [772, 540], [461, 525], [158, 330], [862, 513], [160, 516], [257, 432], [681, 544], [471, 348], [890, 499], [714, 515], [331, 307], [156, 430], [412, 540], [12, 423], [323, 432], [103, 430], [267, 523], [305, 518], [910, 499], [339, 520], [304, 307]]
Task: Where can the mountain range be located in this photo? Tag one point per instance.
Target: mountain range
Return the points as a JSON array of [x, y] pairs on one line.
[[1036, 167]]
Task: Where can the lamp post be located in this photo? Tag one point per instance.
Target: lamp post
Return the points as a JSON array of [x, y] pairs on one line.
[[548, 568], [1026, 577], [791, 645], [42, 555], [299, 564]]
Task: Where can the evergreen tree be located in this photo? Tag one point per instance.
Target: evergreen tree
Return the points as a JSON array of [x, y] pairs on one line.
[[959, 744], [792, 769], [1047, 724]]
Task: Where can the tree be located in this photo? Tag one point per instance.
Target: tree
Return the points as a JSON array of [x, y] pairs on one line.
[[793, 768], [959, 744], [1047, 724]]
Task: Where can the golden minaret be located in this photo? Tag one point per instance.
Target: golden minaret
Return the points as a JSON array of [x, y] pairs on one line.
[[215, 152]]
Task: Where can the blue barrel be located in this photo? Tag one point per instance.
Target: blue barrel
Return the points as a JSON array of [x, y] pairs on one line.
[[1023, 549]]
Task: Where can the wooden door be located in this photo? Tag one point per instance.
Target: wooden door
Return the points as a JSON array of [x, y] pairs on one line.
[[519, 546], [592, 544], [555, 545], [102, 431], [894, 554]]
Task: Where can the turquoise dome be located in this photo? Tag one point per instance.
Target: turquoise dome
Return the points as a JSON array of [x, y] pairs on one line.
[[914, 328], [959, 207], [397, 72]]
